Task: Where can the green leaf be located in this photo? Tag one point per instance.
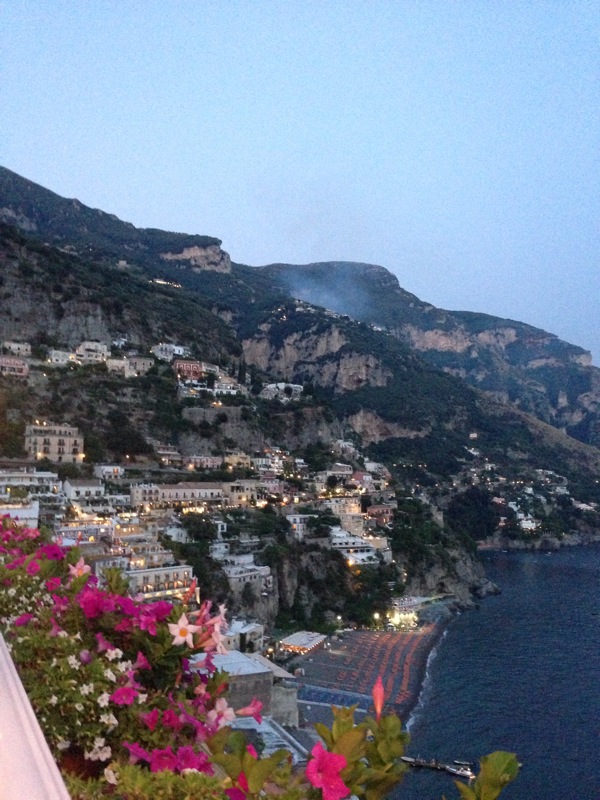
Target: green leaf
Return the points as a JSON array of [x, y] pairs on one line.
[[260, 770], [351, 744], [343, 720], [466, 792], [497, 771], [325, 734], [237, 743]]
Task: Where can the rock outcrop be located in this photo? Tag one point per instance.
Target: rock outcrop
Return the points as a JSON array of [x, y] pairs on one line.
[[200, 259]]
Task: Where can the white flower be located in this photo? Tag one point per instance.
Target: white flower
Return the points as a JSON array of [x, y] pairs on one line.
[[110, 776], [123, 666], [99, 751], [114, 653], [110, 720], [53, 700], [12, 591], [74, 662], [63, 744], [78, 706], [108, 673], [104, 700], [86, 689], [182, 631]]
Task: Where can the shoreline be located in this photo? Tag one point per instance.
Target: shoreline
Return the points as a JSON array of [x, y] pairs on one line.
[[345, 673]]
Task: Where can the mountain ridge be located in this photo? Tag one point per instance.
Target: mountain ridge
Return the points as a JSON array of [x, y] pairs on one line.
[[369, 370]]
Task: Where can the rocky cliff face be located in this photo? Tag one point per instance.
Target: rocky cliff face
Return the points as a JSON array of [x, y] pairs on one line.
[[462, 576], [294, 428], [307, 581], [516, 363], [316, 355], [210, 258], [372, 428]]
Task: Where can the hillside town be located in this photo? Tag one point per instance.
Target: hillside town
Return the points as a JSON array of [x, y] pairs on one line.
[[133, 517]]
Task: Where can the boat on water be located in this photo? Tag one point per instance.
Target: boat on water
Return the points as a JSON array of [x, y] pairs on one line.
[[460, 772], [458, 769], [462, 763]]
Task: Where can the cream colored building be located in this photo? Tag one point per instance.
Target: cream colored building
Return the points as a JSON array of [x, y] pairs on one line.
[[58, 443], [18, 348], [92, 352]]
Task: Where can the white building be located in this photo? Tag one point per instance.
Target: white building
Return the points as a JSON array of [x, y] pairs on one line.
[[108, 472], [60, 358], [203, 462], [154, 583], [355, 549], [239, 575], [299, 525], [168, 351], [77, 490], [35, 482], [89, 352], [174, 494], [244, 635], [22, 349]]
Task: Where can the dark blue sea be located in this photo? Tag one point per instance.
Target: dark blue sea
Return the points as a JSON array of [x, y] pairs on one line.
[[520, 674]]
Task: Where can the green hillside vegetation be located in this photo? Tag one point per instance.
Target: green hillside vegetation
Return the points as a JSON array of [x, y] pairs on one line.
[[129, 302], [57, 220]]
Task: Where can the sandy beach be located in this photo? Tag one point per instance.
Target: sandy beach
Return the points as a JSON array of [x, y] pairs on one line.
[[345, 673]]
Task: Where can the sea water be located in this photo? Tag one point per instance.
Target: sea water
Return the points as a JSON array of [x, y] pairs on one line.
[[520, 674]]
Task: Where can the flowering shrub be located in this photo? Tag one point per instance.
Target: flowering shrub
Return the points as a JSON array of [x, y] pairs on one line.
[[119, 692]]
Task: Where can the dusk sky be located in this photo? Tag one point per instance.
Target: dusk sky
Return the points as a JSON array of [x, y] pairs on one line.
[[455, 143]]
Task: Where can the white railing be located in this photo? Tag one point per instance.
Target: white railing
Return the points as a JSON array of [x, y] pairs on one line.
[[27, 768]]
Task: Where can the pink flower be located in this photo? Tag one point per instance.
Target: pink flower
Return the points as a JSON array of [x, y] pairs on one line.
[[51, 551], [24, 619], [182, 631], [94, 602], [161, 760], [33, 567], [125, 625], [60, 603], [253, 710], [52, 584], [103, 644], [171, 720], [136, 752], [124, 695], [141, 662], [251, 750], [158, 612], [19, 561], [85, 657], [151, 719], [79, 569], [127, 605], [323, 772], [378, 697], [235, 794], [221, 714], [187, 758]]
